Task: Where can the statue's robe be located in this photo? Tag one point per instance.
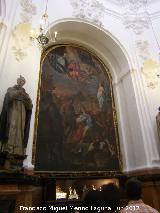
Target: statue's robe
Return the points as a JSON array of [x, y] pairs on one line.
[[15, 120]]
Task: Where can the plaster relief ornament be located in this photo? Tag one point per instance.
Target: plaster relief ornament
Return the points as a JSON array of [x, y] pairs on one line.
[[143, 49], [137, 23], [21, 40], [135, 16], [28, 10], [151, 73], [21, 32], [91, 10], [134, 5]]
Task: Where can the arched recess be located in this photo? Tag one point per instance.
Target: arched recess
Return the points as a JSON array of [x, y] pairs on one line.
[[115, 57]]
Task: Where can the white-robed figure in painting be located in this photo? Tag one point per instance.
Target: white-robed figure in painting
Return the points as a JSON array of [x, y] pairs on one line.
[[15, 119], [101, 95]]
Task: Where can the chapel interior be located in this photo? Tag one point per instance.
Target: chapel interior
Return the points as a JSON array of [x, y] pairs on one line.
[[79, 100]]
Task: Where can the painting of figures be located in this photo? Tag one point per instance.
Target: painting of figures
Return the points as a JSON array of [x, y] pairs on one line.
[[76, 123]]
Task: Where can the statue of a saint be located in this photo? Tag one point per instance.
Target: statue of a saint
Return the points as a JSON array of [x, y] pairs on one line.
[[158, 122], [15, 119]]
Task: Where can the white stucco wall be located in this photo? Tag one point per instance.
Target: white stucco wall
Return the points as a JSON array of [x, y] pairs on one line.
[[114, 42]]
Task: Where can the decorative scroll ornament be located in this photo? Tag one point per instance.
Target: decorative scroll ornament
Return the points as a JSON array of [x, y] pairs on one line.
[[92, 10], [21, 40], [136, 23], [135, 5], [19, 53], [28, 10], [21, 32], [135, 17]]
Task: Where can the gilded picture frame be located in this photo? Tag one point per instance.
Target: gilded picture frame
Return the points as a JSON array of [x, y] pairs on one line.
[[76, 128]]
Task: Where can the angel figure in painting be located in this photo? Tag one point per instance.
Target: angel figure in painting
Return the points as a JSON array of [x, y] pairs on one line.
[[15, 119]]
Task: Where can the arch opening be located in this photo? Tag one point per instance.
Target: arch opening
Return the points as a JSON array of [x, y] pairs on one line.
[[114, 56]]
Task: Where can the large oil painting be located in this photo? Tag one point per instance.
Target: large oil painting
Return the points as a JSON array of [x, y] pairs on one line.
[[76, 127]]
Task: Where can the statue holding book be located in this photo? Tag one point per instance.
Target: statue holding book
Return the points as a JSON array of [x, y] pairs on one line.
[[15, 119]]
